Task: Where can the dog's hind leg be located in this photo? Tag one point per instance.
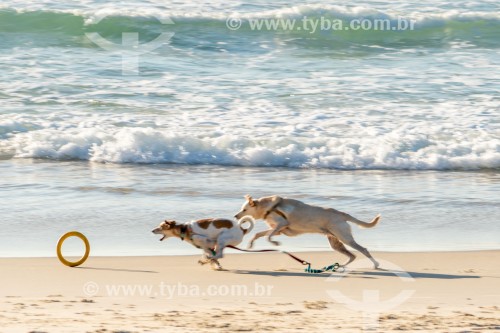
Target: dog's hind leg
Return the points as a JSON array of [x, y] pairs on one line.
[[348, 240], [337, 245], [218, 250]]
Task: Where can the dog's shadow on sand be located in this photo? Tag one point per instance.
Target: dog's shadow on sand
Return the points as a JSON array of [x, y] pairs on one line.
[[416, 275], [373, 274], [277, 273]]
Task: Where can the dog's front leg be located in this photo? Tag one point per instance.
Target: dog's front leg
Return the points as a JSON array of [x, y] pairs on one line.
[[281, 223], [206, 245], [257, 236], [205, 257], [203, 261]]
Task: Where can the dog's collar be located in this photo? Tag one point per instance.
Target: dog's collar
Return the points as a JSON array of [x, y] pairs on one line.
[[184, 231], [273, 209]]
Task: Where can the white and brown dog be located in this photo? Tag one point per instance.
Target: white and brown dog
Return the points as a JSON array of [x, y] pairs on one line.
[[210, 235], [292, 217]]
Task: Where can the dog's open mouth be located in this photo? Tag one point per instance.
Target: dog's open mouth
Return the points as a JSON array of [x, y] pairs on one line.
[[163, 238]]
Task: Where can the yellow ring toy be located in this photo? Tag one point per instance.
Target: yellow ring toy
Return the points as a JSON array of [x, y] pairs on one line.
[[60, 243]]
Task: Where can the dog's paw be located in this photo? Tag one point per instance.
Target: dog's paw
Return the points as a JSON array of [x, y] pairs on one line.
[[202, 262], [218, 268]]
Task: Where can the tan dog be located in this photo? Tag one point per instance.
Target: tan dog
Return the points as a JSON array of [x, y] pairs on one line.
[[292, 217], [210, 235]]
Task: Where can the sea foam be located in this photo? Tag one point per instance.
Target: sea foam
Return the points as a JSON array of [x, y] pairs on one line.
[[405, 148]]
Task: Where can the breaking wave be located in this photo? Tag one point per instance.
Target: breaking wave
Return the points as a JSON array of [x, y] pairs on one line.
[[401, 149], [479, 28]]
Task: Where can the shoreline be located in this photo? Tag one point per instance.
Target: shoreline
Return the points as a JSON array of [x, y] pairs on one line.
[[41, 160], [444, 292], [235, 252]]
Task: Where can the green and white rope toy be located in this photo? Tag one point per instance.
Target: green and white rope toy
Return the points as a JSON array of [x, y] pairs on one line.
[[331, 268]]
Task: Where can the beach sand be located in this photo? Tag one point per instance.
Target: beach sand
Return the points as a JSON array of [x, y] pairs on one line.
[[268, 292]]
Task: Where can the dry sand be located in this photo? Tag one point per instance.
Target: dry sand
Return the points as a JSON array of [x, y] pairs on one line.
[[443, 292]]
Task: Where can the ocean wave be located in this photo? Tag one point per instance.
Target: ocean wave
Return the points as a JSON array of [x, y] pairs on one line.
[[93, 16], [477, 27], [405, 150]]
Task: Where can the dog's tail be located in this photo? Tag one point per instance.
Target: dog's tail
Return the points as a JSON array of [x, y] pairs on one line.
[[245, 219], [362, 224]]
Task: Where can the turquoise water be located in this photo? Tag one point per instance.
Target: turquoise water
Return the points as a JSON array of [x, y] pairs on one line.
[[112, 138]]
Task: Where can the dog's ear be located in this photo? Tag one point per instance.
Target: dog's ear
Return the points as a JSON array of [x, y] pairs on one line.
[[168, 224], [250, 200]]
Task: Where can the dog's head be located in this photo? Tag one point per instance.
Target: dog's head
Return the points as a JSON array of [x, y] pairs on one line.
[[257, 208], [166, 229]]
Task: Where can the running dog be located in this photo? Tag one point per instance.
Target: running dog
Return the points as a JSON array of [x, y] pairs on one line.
[[292, 217], [210, 235]]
